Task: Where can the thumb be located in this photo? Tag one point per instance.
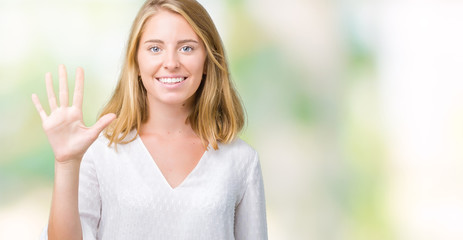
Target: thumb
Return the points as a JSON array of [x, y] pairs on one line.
[[103, 122]]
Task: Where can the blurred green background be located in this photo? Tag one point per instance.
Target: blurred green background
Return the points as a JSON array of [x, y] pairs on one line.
[[355, 107]]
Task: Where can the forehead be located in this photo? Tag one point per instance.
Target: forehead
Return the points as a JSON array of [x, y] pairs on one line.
[[166, 25]]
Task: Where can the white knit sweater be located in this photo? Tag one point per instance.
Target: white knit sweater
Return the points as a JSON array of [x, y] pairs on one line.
[[123, 195]]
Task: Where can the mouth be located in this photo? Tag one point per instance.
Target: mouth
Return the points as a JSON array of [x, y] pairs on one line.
[[171, 80]]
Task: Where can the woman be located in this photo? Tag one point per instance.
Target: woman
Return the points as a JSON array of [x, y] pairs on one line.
[[168, 164]]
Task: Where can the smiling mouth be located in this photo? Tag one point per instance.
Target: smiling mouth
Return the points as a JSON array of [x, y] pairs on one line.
[[172, 80]]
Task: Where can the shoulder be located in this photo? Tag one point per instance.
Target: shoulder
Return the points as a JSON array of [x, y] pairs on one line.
[[237, 151], [103, 156], [242, 158], [237, 146], [101, 145]]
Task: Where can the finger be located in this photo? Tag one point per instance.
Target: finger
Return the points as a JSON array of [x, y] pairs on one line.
[[63, 86], [103, 122], [50, 92], [38, 106], [79, 88]]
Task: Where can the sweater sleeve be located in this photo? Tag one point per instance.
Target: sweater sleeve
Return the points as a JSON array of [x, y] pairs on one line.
[[89, 197], [250, 215], [89, 200]]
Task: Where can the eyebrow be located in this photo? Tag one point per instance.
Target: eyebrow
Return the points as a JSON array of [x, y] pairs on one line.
[[179, 42]]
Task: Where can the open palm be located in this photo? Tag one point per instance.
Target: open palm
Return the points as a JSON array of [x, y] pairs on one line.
[[64, 127]]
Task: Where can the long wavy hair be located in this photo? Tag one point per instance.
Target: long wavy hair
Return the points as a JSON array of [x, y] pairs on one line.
[[217, 114]]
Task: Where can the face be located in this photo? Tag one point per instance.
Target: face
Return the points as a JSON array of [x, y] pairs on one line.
[[171, 59]]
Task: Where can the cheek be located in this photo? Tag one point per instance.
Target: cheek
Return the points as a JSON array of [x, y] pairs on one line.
[[147, 64], [141, 62], [198, 66]]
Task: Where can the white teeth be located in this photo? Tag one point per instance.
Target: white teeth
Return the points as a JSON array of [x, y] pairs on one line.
[[171, 80]]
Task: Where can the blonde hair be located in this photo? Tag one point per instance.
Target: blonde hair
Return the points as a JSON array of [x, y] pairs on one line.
[[217, 114]]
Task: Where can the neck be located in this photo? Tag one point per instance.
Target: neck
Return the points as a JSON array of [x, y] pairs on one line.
[[167, 120]]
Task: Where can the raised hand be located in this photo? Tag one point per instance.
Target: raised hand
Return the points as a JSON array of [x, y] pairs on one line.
[[64, 127]]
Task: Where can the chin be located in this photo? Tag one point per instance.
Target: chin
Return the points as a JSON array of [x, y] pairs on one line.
[[174, 101]]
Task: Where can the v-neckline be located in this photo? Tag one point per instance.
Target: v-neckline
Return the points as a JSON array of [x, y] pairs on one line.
[[148, 155]]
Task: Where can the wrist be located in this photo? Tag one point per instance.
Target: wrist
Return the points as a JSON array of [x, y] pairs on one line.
[[68, 165], [62, 157]]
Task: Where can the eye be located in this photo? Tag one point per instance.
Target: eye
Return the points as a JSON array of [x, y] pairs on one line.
[[186, 49], [155, 49]]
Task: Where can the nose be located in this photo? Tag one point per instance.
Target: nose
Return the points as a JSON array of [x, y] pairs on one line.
[[171, 60]]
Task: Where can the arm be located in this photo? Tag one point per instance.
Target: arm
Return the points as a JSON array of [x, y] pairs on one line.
[[64, 221], [250, 216], [69, 139]]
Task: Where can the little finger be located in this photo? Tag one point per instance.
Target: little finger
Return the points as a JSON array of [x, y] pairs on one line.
[[39, 107]]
